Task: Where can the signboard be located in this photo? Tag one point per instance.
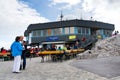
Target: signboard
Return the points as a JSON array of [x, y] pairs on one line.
[[72, 37], [52, 38]]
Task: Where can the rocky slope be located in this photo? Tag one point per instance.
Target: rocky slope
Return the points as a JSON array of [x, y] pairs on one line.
[[104, 48]]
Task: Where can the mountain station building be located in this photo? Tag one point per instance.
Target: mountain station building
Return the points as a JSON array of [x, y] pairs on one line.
[[67, 32]]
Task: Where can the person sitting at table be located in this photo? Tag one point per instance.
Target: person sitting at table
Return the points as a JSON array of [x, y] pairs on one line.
[[60, 56], [53, 48], [53, 56], [3, 50], [65, 50], [76, 46], [59, 48], [68, 47]]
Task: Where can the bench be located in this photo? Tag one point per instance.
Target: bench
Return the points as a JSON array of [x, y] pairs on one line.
[[4, 56]]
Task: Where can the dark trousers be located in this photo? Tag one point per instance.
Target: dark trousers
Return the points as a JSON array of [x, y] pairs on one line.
[[24, 61]]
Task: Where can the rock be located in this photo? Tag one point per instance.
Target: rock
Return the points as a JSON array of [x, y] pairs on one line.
[[86, 55], [103, 48]]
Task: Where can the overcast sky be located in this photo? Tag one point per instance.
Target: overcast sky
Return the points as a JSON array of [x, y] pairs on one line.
[[16, 15]]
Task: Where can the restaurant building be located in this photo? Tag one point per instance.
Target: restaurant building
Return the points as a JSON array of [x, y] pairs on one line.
[[67, 32]]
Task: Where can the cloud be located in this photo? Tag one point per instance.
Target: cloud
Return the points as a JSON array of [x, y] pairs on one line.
[[65, 4], [15, 16], [104, 11]]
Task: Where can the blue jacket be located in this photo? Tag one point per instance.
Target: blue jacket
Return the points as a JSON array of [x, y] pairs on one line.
[[16, 48]]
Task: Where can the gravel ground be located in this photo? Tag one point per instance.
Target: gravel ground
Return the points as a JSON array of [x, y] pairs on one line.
[[36, 70]]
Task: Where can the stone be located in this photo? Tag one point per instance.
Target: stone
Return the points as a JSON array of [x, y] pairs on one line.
[[103, 48]]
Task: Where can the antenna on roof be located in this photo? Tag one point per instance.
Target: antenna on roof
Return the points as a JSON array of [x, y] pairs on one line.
[[61, 16]]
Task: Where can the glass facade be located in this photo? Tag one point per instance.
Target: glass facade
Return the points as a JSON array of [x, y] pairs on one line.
[[56, 31], [83, 30], [49, 32], [61, 31], [29, 38], [104, 33], [75, 30], [72, 30], [44, 32], [67, 30], [39, 32], [79, 30], [34, 33], [107, 33]]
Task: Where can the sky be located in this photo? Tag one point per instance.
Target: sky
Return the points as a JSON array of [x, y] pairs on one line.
[[17, 15]]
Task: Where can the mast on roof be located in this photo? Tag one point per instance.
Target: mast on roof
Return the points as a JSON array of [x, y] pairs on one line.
[[61, 16]]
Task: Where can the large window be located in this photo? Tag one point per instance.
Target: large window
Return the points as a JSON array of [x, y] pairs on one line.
[[30, 35], [34, 33], [44, 32], [61, 31], [67, 30], [41, 33], [107, 33], [49, 32], [88, 31], [56, 31], [38, 32], [79, 30], [104, 33], [76, 30], [82, 30], [98, 32], [72, 30]]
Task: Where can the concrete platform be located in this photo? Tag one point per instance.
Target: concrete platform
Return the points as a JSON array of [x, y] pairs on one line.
[[105, 67]]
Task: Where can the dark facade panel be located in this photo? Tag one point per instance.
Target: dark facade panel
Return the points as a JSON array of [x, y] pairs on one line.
[[95, 24], [26, 33], [60, 38]]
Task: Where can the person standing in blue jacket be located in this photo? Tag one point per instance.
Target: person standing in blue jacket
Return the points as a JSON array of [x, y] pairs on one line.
[[16, 50]]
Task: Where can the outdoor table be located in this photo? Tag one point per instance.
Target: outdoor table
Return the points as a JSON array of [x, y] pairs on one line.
[[4, 56], [55, 54]]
